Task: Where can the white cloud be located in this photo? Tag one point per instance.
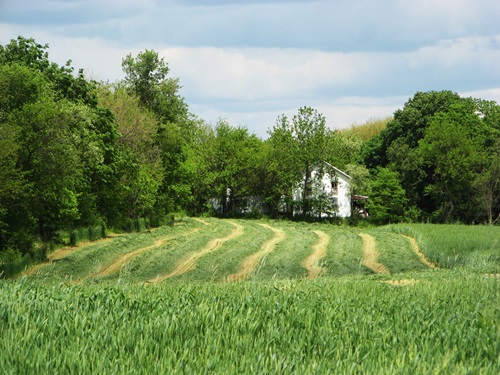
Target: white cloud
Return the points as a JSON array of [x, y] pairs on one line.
[[258, 74], [252, 61], [339, 113], [483, 51]]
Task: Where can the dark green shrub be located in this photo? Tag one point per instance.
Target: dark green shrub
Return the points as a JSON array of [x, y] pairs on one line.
[[74, 238]]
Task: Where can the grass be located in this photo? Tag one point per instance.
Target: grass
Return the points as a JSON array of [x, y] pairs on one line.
[[227, 260], [287, 257], [161, 261], [447, 325], [345, 253], [346, 321], [396, 252], [474, 247]]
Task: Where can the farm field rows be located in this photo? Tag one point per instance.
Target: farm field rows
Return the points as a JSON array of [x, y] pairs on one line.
[[259, 296], [232, 250]]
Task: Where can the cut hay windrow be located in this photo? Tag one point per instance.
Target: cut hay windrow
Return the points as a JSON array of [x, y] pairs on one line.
[[370, 254], [250, 264], [319, 251], [189, 263], [419, 252]]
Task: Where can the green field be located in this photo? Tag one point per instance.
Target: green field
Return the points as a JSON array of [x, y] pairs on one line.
[[260, 297]]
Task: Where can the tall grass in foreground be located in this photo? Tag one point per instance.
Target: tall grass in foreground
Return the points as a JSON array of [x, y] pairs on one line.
[[448, 325]]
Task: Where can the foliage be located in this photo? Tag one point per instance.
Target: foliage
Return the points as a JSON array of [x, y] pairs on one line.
[[86, 234], [444, 148], [388, 202], [304, 139], [343, 148], [234, 164], [369, 129], [146, 77], [28, 53]]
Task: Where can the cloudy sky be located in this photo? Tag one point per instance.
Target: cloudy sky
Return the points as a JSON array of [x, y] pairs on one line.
[[251, 61]]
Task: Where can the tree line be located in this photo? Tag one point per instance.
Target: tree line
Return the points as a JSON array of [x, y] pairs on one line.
[[75, 152]]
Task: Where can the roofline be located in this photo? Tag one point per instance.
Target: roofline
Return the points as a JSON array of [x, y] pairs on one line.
[[337, 170]]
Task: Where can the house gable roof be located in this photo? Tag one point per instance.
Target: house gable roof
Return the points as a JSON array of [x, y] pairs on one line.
[[337, 170]]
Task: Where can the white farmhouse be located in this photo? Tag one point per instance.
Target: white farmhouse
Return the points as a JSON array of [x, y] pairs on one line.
[[328, 192]]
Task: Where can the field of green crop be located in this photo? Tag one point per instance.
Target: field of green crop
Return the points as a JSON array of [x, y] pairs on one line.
[[260, 297]]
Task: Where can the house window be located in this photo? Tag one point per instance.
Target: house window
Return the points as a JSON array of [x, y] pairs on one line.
[[335, 186]]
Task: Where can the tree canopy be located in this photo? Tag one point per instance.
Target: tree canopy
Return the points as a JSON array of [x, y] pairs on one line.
[[76, 152]]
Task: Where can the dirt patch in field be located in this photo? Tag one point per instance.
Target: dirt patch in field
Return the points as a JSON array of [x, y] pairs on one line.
[[319, 251], [420, 254], [251, 262], [404, 282], [370, 254], [189, 263]]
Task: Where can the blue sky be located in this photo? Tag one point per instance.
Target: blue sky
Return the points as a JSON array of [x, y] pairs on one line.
[[251, 61]]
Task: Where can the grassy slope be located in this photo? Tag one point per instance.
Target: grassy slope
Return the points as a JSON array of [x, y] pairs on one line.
[[217, 265], [476, 248], [396, 252]]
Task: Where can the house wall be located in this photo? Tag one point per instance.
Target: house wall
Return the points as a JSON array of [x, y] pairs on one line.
[[341, 194], [324, 186], [344, 197]]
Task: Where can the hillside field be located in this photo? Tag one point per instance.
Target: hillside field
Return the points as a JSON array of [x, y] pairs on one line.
[[260, 296]]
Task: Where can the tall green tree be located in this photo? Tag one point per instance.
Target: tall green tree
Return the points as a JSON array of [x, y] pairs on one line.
[[453, 146], [201, 151], [388, 202], [147, 77], [65, 84], [61, 144], [235, 166], [398, 146], [342, 148], [138, 157], [302, 142]]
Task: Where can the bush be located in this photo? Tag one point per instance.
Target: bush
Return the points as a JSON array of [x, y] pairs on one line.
[[137, 225], [13, 261], [92, 233]]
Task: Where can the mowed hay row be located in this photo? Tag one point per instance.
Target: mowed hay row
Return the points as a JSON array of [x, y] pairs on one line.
[[162, 237], [190, 261], [288, 255], [183, 256], [217, 265], [83, 262], [320, 248], [396, 252], [251, 263], [345, 253], [90, 261]]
